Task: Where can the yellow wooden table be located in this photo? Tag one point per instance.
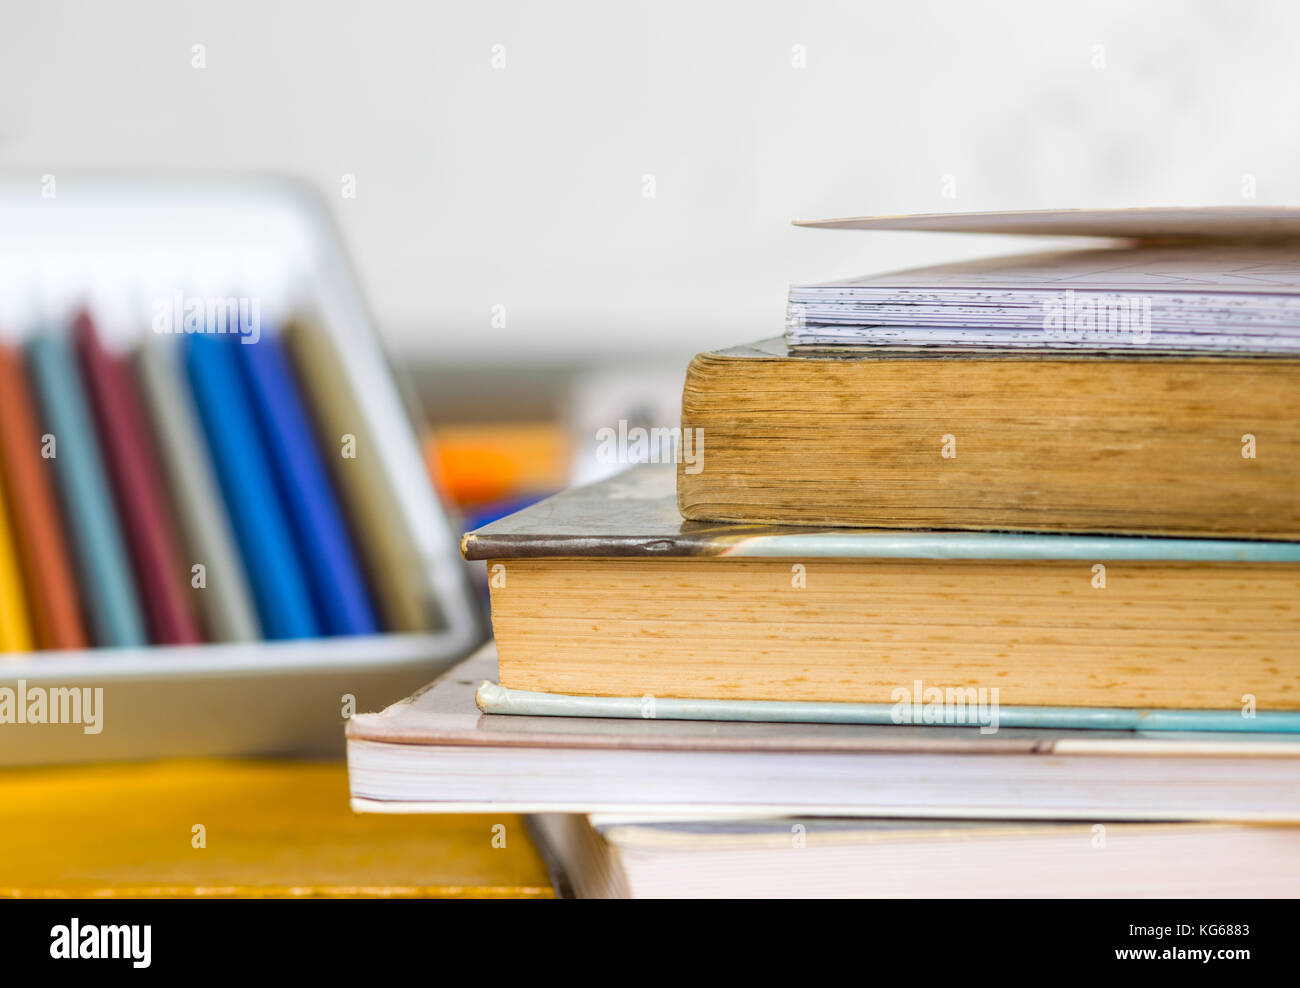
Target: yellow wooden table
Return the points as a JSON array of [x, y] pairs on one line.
[[243, 828]]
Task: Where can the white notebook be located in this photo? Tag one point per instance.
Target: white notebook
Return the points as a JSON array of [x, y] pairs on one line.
[[1193, 281], [436, 753]]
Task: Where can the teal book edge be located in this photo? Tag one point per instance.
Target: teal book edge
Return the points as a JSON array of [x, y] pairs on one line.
[[495, 699]]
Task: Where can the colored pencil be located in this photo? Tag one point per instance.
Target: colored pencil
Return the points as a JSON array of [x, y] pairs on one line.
[[338, 588], [395, 571], [106, 582], [224, 602], [15, 628], [263, 531], [48, 574], [142, 506]]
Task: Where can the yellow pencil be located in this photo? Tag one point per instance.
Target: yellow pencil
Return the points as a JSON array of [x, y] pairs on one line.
[[15, 630]]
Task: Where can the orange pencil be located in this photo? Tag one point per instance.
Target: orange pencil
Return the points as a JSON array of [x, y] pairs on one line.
[[37, 524]]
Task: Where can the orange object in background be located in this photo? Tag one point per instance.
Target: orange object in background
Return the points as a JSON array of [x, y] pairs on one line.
[[476, 463]]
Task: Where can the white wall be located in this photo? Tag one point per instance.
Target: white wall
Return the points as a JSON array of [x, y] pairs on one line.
[[523, 186]]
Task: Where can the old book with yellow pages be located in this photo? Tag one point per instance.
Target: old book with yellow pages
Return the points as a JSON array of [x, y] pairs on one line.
[[604, 591]]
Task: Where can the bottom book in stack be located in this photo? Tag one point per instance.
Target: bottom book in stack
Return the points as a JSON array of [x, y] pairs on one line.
[[604, 857], [730, 808]]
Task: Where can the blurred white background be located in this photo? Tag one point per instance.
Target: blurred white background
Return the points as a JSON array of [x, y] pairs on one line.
[[523, 185]]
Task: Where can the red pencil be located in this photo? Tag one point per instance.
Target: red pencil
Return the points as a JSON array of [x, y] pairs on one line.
[[142, 503]]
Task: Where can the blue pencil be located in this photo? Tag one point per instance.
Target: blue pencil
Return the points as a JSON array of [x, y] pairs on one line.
[[342, 602], [262, 529], [107, 584]]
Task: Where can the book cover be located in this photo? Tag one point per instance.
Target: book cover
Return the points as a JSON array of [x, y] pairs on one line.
[[635, 514], [1195, 224]]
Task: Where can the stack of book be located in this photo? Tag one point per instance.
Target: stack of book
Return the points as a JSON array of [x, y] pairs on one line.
[[984, 581]]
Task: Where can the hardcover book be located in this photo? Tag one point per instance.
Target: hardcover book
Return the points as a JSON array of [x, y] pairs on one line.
[[1108, 443], [605, 591]]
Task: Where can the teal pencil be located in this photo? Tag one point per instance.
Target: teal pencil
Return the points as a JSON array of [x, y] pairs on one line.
[[107, 585]]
